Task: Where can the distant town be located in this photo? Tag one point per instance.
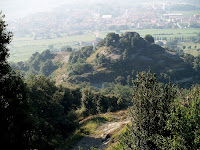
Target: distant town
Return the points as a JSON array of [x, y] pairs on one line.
[[173, 24], [78, 21]]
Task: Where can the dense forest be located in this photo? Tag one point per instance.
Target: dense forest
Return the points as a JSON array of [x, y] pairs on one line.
[[38, 113]]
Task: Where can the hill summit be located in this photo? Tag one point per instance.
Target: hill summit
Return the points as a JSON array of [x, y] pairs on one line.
[[118, 57]]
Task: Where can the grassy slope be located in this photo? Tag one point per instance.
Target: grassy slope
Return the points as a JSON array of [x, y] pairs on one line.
[[93, 56]]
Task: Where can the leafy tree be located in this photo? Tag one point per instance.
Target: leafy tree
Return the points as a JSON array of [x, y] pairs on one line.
[[99, 102], [46, 55], [37, 64], [188, 58], [138, 42], [196, 64], [183, 123], [124, 43], [111, 39], [16, 122], [130, 35], [79, 68], [89, 102], [120, 90], [151, 104], [81, 55], [47, 68], [149, 38], [5, 37], [34, 55], [54, 121], [71, 99], [66, 49]]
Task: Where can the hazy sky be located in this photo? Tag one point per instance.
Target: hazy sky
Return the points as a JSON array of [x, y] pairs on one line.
[[20, 8]]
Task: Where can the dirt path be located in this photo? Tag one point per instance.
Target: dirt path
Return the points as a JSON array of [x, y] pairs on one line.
[[62, 56], [87, 142], [100, 141]]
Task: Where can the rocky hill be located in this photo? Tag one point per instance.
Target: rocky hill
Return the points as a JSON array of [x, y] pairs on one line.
[[117, 58]]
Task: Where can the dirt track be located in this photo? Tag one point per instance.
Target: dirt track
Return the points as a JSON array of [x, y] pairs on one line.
[[100, 141]]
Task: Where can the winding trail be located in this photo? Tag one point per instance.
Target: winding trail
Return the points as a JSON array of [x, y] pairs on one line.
[[100, 141]]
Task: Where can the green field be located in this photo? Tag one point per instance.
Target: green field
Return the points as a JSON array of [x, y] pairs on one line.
[[154, 32], [185, 13], [21, 48], [195, 48]]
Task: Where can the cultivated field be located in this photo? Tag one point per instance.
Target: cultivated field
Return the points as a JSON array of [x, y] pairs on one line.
[[162, 32], [194, 50], [21, 48]]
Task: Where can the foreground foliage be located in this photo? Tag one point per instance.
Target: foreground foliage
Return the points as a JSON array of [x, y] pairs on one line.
[[162, 119], [16, 122], [151, 104], [183, 123]]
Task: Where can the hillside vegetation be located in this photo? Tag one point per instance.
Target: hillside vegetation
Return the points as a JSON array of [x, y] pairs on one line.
[[117, 58]]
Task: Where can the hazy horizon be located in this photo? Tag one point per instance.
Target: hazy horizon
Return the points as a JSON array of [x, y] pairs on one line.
[[22, 8]]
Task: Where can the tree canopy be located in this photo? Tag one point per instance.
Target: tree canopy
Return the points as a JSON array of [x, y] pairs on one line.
[[15, 112], [149, 38], [151, 104]]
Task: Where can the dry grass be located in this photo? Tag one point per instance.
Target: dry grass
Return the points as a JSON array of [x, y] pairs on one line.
[[103, 126], [93, 56]]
